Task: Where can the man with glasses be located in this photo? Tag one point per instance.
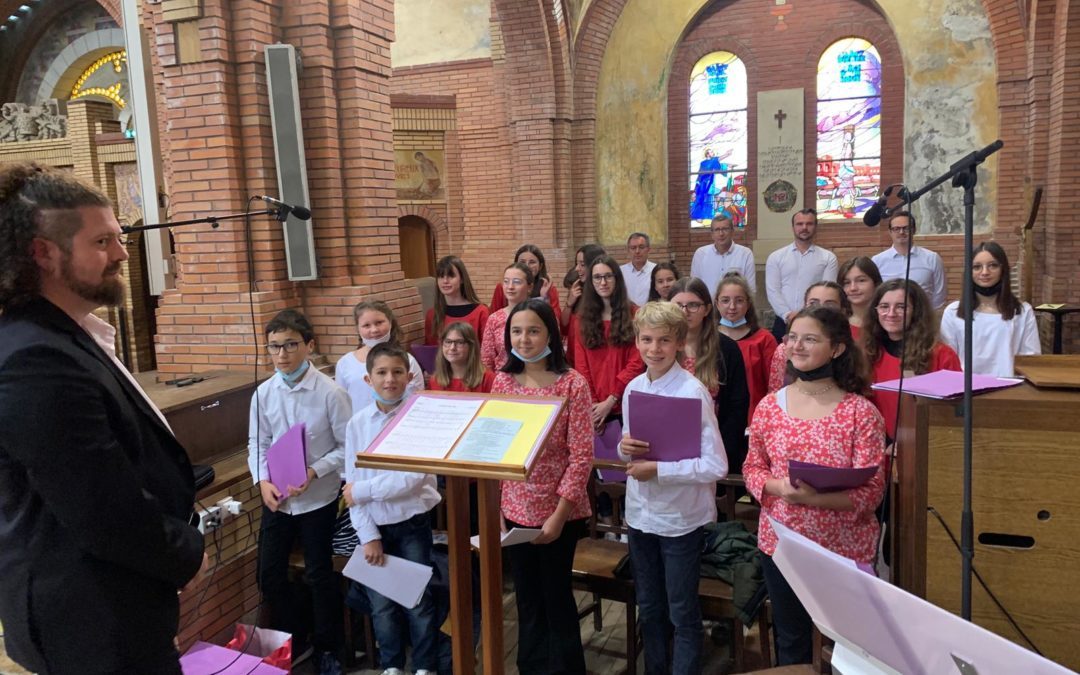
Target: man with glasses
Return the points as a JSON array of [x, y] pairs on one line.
[[637, 274], [712, 261], [96, 494], [789, 271], [927, 270]]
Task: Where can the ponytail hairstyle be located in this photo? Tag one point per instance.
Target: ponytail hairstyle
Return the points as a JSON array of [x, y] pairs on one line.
[[850, 369], [446, 268], [592, 309], [474, 370], [709, 365], [736, 279], [556, 360], [379, 306]]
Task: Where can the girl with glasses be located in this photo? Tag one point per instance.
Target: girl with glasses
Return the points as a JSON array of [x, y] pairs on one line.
[[533, 258], [605, 351], [821, 293], [569, 318], [517, 285], [715, 360], [455, 301], [457, 363], [738, 321], [1002, 326]]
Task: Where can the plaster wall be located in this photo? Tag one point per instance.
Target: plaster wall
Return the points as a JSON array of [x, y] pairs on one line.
[[436, 31]]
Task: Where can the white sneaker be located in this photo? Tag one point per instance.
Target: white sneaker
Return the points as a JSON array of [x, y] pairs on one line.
[[424, 671], [394, 671]]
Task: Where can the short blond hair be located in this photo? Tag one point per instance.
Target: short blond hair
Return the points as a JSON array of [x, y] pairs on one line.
[[662, 314]]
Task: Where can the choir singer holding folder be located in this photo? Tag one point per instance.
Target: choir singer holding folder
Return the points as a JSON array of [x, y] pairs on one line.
[[821, 418], [670, 489]]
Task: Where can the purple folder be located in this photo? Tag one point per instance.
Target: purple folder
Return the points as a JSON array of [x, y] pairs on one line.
[[425, 356], [287, 459], [942, 384], [204, 658], [671, 425], [829, 478], [606, 446]]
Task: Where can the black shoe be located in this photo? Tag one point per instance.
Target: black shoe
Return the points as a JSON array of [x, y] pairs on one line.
[[328, 663]]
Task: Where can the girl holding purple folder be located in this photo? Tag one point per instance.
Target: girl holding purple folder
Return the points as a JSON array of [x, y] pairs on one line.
[[822, 418]]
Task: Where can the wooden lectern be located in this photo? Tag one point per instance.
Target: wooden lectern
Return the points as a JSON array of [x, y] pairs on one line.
[[530, 439], [1026, 507]]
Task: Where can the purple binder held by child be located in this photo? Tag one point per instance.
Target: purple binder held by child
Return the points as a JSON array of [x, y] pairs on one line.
[[287, 459]]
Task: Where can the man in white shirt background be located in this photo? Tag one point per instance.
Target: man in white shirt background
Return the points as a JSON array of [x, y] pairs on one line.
[[712, 261], [790, 270], [638, 272], [927, 269]]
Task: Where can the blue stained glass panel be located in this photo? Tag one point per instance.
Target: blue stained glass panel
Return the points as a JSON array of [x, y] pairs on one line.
[[718, 139]]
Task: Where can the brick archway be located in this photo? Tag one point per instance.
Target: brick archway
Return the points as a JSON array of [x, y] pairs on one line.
[[437, 221]]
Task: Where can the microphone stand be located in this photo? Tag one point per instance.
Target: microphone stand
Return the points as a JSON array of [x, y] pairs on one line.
[[964, 175], [213, 221]]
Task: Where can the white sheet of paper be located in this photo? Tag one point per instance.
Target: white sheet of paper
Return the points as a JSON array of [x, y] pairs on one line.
[[430, 427], [516, 535], [401, 580]]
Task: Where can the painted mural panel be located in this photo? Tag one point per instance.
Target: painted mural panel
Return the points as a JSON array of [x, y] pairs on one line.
[[419, 175], [718, 143], [849, 129]]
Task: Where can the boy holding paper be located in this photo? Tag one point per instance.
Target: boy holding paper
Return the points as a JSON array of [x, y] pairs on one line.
[[298, 393], [389, 510], [668, 503]]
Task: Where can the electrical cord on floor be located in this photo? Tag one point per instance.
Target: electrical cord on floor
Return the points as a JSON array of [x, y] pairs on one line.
[[1005, 612]]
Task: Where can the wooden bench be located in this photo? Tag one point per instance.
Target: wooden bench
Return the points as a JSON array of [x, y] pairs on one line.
[[717, 604]]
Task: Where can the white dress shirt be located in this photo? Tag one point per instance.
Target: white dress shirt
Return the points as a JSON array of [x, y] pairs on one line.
[[638, 282], [382, 497], [324, 409], [927, 270], [789, 272], [996, 341], [682, 496], [349, 374], [710, 265]]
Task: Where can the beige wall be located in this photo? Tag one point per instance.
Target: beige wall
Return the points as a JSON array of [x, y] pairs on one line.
[[433, 31]]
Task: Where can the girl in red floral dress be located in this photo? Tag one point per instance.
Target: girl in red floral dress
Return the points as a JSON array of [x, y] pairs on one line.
[[554, 498], [821, 418]]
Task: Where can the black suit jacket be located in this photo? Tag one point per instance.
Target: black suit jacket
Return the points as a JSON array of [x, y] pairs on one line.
[[95, 499]]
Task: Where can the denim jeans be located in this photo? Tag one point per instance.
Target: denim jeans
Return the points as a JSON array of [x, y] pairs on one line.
[[315, 529], [667, 571], [396, 626], [549, 632], [792, 626]]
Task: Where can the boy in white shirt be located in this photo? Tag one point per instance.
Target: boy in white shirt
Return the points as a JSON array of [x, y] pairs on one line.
[[298, 393], [389, 510], [669, 503]]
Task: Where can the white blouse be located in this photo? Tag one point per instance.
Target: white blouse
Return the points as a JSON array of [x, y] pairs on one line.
[[995, 340]]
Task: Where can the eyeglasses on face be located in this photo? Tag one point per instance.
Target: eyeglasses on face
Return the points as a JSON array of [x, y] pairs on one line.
[[289, 347], [690, 306], [898, 308], [899, 230], [513, 282], [721, 229], [990, 267], [450, 344], [603, 278]]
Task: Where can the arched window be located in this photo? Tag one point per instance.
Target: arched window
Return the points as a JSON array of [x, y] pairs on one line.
[[848, 129], [718, 151]]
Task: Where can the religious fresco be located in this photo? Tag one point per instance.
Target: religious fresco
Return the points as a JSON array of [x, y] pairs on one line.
[[418, 175], [718, 143], [128, 193], [848, 129], [65, 29]]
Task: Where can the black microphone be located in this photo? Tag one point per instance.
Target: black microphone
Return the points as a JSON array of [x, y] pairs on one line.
[[873, 215], [301, 212]]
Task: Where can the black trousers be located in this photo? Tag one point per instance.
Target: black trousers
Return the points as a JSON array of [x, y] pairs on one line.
[[549, 634], [315, 530], [792, 626]]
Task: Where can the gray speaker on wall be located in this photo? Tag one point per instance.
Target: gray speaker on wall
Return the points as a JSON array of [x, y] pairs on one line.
[[282, 65]]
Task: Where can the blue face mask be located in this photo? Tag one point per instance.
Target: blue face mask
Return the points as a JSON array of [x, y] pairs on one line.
[[388, 402], [728, 323], [539, 357], [292, 378]]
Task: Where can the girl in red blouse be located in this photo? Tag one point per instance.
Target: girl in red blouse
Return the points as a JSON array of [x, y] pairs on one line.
[[455, 301], [533, 258], [605, 351], [457, 364], [738, 320], [902, 326], [820, 418], [553, 498], [569, 319], [517, 285]]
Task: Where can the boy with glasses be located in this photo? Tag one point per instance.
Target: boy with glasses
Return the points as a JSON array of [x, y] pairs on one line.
[[297, 393]]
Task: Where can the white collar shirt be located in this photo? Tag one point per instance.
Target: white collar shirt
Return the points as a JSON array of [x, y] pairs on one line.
[[710, 265], [638, 282], [927, 270], [789, 272]]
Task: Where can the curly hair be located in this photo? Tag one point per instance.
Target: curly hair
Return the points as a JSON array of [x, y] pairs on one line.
[[37, 200], [920, 336], [592, 309], [850, 369]]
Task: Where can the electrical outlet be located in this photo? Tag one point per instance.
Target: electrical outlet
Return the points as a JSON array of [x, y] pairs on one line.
[[209, 519]]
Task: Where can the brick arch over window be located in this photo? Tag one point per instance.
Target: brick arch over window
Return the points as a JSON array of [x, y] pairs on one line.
[[437, 221]]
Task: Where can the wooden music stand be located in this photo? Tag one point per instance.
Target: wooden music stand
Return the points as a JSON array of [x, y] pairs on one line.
[[488, 474]]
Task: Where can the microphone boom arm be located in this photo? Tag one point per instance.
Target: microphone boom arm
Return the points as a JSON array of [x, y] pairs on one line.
[[213, 221]]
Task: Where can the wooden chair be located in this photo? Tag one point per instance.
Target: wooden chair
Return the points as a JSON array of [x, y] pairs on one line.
[[595, 560]]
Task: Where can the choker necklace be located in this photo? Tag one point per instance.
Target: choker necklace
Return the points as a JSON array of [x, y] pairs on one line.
[[829, 387]]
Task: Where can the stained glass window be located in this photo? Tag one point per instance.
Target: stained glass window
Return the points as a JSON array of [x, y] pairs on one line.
[[718, 153], [848, 129]]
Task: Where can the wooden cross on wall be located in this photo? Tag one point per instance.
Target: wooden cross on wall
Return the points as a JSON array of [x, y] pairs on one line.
[[780, 116]]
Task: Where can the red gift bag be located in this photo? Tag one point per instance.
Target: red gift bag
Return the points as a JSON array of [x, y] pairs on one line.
[[273, 646]]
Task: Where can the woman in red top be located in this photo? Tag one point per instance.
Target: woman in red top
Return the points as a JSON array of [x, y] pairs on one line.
[[902, 326], [820, 418], [533, 258], [738, 320], [517, 285], [553, 498], [569, 318], [455, 301], [860, 278], [457, 365], [605, 351]]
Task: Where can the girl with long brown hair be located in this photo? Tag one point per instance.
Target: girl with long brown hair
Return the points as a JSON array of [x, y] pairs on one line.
[[455, 301]]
